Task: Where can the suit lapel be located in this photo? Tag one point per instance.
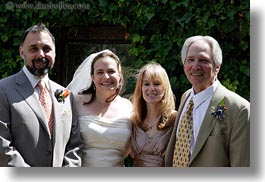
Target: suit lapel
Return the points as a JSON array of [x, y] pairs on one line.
[[208, 123], [25, 89], [182, 103], [57, 108], [172, 140]]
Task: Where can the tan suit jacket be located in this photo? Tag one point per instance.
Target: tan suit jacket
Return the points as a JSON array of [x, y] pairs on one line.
[[24, 137], [219, 143]]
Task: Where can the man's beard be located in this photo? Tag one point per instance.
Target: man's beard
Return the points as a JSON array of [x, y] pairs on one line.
[[37, 70]]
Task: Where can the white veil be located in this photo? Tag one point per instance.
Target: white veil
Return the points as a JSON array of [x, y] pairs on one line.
[[82, 76]]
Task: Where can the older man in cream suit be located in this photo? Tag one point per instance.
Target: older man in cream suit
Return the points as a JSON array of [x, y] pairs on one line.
[[221, 118], [26, 140]]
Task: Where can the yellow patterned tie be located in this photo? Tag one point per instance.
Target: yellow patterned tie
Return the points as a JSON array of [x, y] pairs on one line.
[[46, 103], [183, 141]]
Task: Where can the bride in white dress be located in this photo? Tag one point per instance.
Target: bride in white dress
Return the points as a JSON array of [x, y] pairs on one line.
[[104, 116]]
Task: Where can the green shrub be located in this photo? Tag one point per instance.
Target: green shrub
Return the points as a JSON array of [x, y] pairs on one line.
[[157, 30]]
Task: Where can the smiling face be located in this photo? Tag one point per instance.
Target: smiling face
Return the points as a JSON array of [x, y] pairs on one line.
[[152, 90], [38, 53], [199, 66], [106, 76]]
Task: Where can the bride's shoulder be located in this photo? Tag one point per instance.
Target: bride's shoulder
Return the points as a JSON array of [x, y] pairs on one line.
[[81, 98], [124, 102]]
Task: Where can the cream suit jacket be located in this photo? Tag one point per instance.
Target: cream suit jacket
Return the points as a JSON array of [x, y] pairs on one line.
[[24, 137], [219, 143]]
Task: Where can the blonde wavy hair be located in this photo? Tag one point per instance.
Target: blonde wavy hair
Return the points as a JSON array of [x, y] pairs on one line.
[[167, 105]]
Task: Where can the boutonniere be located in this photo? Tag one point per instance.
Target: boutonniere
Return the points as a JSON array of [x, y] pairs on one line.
[[219, 111], [61, 94]]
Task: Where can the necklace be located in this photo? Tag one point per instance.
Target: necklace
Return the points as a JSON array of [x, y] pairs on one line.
[[149, 127]]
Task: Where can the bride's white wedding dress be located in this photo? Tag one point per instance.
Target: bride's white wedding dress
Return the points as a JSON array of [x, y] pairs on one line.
[[105, 140]]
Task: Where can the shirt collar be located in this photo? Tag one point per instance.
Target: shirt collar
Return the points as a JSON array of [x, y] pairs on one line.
[[34, 80], [200, 97]]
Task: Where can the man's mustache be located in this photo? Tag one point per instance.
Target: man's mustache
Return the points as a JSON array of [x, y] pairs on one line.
[[40, 60]]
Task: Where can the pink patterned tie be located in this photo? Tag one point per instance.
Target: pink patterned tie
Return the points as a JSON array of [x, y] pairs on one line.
[[183, 141], [46, 102]]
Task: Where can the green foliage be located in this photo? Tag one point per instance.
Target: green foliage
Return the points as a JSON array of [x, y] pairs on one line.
[[157, 30]]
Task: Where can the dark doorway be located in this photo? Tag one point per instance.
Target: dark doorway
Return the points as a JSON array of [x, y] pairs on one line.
[[75, 46]]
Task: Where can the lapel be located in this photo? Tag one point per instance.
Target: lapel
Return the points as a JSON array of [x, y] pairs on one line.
[[172, 141], [25, 89], [57, 107], [181, 105], [208, 122]]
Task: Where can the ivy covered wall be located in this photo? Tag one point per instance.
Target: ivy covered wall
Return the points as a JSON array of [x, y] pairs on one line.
[[157, 29]]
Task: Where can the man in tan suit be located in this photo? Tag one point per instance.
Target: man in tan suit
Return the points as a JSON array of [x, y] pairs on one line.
[[221, 118], [26, 140]]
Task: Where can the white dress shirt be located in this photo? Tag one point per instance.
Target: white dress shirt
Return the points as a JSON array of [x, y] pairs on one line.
[[201, 102]]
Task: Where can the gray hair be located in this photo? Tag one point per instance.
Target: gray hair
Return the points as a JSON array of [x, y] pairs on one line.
[[216, 50]]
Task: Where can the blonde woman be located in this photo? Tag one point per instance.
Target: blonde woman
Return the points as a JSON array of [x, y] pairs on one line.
[[153, 116]]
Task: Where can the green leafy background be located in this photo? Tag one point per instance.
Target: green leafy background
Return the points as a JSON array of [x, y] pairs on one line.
[[157, 30]]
